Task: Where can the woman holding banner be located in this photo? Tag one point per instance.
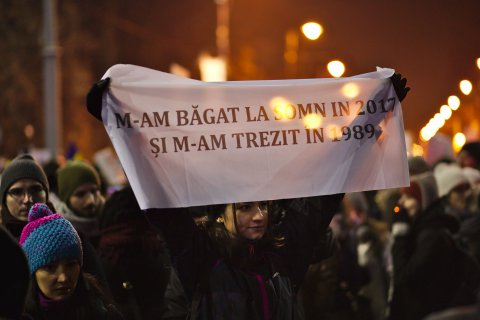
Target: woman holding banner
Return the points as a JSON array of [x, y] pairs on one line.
[[248, 259]]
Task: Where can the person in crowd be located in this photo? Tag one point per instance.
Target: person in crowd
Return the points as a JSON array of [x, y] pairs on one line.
[[387, 199], [79, 189], [14, 275], [473, 176], [244, 265], [469, 236], [23, 183], [469, 155], [134, 257], [371, 238], [431, 272], [249, 259], [331, 288], [454, 189], [60, 289]]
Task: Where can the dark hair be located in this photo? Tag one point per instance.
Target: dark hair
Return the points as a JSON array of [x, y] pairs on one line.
[[90, 300], [236, 249]]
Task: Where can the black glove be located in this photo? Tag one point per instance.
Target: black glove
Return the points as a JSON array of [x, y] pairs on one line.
[[400, 85], [94, 98]]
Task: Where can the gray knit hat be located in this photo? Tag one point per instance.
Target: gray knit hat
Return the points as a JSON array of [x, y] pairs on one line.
[[22, 167]]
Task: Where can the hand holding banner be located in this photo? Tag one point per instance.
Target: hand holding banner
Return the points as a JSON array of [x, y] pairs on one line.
[[184, 142]]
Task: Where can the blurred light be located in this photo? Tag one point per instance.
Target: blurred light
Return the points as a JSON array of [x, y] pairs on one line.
[[333, 132], [282, 107], [179, 70], [29, 131], [425, 134], [439, 120], [453, 102], [417, 150], [446, 112], [291, 56], [212, 69], [222, 32], [459, 140], [478, 63], [312, 30], [396, 209], [312, 121], [350, 90], [431, 128], [291, 47], [466, 87], [336, 68]]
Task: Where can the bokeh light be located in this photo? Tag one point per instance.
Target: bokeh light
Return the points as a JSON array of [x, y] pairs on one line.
[[282, 107], [454, 102], [446, 112], [439, 120], [312, 30], [350, 90], [336, 68], [312, 121], [466, 87], [458, 141]]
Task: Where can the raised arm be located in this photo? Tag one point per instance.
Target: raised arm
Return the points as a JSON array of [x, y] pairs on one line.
[[305, 227]]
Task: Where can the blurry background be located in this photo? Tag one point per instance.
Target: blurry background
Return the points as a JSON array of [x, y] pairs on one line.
[[433, 43]]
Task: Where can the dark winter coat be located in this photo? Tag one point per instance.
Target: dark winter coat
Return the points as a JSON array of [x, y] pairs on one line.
[[265, 288], [431, 272], [136, 264]]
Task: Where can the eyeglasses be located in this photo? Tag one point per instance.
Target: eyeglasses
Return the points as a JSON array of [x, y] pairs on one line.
[[35, 191]]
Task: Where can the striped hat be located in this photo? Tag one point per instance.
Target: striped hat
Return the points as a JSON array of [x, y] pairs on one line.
[[48, 238]]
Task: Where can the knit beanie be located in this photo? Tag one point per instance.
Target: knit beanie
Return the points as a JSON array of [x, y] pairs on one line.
[[448, 177], [423, 188], [74, 174], [22, 167], [48, 238]]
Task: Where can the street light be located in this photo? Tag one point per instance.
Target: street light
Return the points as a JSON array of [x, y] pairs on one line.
[[466, 87], [446, 112], [458, 141], [312, 30], [336, 68], [453, 102], [212, 69]]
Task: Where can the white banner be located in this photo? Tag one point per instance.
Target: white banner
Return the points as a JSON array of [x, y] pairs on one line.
[[184, 142]]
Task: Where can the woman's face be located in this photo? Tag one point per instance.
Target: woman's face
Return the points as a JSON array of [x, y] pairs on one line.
[[58, 280], [252, 219], [410, 204]]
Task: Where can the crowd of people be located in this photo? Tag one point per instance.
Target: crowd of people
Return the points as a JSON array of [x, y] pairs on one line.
[[73, 250]]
